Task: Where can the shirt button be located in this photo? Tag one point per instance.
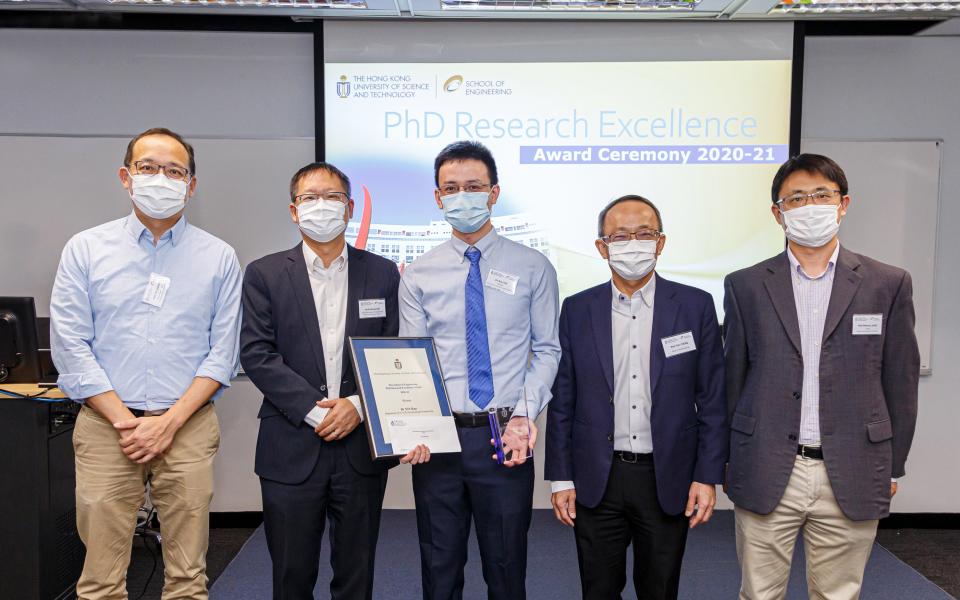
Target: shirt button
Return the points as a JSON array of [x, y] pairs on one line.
[[149, 371], [634, 437], [609, 437], [634, 346], [634, 316], [634, 407], [153, 340], [634, 376]]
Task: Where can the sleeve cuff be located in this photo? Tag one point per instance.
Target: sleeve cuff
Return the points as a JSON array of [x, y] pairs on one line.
[[80, 386], [561, 486], [219, 374], [355, 400], [315, 416]]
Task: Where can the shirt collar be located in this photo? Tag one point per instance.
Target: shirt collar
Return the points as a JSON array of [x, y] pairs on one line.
[[644, 294], [136, 228], [485, 245], [314, 263], [798, 269]]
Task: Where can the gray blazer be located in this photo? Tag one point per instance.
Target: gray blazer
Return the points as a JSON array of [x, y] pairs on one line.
[[868, 390]]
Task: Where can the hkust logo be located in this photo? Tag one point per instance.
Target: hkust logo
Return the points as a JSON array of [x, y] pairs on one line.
[[343, 87], [397, 364], [454, 83]]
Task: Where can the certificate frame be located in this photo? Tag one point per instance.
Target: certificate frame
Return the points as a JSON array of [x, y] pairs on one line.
[[379, 448]]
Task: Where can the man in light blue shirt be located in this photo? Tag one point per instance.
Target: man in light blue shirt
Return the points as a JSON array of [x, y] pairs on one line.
[[145, 317], [491, 306]]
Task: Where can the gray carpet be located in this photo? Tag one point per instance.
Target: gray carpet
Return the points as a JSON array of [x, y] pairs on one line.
[[709, 571]]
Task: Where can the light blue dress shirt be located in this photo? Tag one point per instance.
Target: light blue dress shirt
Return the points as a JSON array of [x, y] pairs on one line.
[[522, 326], [103, 335], [812, 297]]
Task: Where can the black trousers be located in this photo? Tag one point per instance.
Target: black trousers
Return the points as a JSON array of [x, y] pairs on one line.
[[294, 517], [452, 489], [630, 513]]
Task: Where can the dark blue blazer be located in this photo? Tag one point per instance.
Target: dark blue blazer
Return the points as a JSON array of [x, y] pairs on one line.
[[282, 352], [688, 416]]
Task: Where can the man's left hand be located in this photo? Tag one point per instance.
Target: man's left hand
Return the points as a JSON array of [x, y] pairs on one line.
[[893, 489], [342, 419], [144, 438], [702, 497], [519, 437]]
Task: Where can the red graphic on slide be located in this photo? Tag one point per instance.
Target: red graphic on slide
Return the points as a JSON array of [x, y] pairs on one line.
[[361, 242]]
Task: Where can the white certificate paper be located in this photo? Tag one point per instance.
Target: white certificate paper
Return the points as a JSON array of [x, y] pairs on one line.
[[403, 385], [437, 433]]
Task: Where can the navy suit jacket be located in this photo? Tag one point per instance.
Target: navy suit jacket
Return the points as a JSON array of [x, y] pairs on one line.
[[282, 352], [688, 416]]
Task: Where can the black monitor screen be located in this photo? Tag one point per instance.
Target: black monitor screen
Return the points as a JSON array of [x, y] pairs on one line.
[[19, 356]]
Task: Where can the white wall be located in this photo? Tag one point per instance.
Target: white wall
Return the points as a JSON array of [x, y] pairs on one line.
[[906, 88]]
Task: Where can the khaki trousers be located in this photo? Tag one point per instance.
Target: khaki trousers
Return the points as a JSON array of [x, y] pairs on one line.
[[836, 548], [110, 489]]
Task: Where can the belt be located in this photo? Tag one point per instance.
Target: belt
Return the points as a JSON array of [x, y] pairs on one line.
[[633, 457], [481, 419], [814, 452], [139, 412]]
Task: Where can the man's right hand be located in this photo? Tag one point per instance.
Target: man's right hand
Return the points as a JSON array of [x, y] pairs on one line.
[[565, 506]]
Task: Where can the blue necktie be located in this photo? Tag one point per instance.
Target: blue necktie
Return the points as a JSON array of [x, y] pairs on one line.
[[479, 371]]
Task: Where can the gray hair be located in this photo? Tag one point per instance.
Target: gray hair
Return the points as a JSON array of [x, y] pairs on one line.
[[627, 198]]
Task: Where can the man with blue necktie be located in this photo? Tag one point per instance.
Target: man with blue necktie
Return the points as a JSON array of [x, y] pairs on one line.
[[491, 306]]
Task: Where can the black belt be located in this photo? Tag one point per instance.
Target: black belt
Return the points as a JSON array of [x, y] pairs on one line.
[[814, 452], [633, 457], [481, 419], [139, 412]]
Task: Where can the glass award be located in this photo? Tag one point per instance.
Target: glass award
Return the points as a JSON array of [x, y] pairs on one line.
[[511, 431]]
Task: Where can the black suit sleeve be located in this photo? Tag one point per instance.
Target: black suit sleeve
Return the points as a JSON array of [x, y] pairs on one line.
[[558, 463], [901, 372], [391, 325], [282, 387], [734, 346], [713, 434]]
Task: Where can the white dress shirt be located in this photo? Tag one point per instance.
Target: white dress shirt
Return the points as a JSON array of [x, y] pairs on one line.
[[632, 327], [329, 286]]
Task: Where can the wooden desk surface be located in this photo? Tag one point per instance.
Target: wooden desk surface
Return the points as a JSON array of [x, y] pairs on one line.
[[31, 389]]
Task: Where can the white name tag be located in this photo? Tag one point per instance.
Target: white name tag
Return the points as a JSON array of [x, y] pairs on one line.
[[156, 290], [867, 324], [505, 282], [373, 309], [678, 344]]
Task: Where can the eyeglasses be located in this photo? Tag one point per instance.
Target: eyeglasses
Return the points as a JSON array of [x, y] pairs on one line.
[[449, 189], [331, 196], [643, 235], [174, 172], [798, 200]]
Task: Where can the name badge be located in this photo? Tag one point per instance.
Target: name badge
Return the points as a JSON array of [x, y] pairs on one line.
[[156, 290], [505, 282], [678, 344], [373, 309], [867, 324]]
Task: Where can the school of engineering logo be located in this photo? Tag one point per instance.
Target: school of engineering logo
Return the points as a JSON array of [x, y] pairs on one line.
[[343, 87], [454, 83]]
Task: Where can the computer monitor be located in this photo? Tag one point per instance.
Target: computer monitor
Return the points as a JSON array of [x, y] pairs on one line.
[[19, 349]]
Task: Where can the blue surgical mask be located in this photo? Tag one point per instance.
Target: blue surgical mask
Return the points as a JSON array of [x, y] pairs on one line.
[[466, 211]]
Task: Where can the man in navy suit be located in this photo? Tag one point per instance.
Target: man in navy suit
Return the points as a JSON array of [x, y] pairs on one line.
[[636, 432], [299, 308]]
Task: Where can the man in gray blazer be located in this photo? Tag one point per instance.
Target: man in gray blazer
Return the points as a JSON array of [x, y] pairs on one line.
[[822, 370]]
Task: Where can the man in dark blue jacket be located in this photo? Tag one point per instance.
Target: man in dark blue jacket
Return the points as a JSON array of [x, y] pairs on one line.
[[636, 432], [299, 308]]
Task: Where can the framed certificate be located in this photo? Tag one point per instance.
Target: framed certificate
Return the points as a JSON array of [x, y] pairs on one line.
[[403, 396]]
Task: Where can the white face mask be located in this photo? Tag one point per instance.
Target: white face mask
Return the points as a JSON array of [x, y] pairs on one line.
[[322, 220], [157, 195], [812, 225], [632, 259]]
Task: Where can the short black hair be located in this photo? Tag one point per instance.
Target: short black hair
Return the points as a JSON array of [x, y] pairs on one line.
[[313, 168], [627, 198], [817, 164], [128, 156], [467, 150]]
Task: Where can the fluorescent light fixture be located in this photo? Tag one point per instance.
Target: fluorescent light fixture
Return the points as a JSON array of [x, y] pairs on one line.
[[815, 7], [304, 4], [575, 5]]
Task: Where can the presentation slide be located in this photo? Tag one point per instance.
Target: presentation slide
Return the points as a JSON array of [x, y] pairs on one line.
[[700, 139]]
